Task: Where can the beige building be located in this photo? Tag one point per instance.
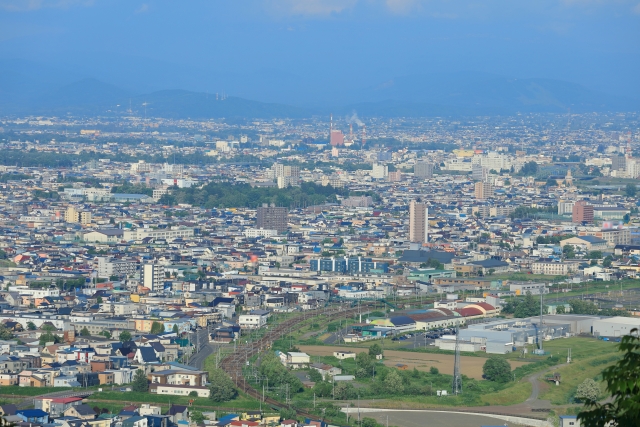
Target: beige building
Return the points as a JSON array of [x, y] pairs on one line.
[[73, 215], [483, 191], [418, 222]]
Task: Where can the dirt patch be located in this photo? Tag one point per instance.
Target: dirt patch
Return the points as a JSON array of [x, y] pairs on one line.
[[470, 366]]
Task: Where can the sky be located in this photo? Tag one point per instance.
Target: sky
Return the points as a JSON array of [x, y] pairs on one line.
[[300, 51]]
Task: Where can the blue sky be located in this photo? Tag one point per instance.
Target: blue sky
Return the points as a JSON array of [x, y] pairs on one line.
[[278, 49]]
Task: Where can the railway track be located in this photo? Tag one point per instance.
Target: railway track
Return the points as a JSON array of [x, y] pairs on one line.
[[233, 363]]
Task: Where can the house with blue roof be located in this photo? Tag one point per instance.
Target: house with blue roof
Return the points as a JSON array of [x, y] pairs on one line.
[[36, 416]]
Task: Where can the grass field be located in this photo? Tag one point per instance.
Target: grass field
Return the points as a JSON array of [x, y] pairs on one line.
[[513, 395], [30, 391], [574, 374], [589, 358]]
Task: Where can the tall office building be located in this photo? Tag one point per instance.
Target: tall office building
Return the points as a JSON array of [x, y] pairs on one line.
[[423, 170], [582, 212], [153, 276], [272, 218], [418, 222], [483, 190]]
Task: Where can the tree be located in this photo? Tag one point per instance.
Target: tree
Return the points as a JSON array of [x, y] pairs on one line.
[[288, 414], [31, 326], [497, 369], [393, 382], [588, 390], [607, 261], [343, 390], [196, 416], [175, 329], [433, 370], [140, 382], [579, 306], [529, 169], [630, 190], [560, 309], [222, 388], [99, 300], [5, 333], [551, 182], [85, 332], [157, 328], [124, 336], [568, 251], [626, 218], [315, 376], [595, 255], [375, 350], [48, 337], [623, 384], [106, 334], [48, 328], [525, 308]]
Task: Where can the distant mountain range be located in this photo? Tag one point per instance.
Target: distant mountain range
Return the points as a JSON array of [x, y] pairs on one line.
[[26, 89]]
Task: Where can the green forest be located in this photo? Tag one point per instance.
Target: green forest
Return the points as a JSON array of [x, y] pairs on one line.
[[222, 195]]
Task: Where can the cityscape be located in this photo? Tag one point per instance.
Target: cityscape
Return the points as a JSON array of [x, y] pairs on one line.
[[419, 252]]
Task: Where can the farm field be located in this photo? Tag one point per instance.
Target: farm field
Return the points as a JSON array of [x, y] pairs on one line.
[[470, 366]]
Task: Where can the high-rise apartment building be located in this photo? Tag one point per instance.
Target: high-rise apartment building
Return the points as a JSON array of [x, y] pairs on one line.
[[582, 212], [483, 190], [423, 170], [379, 171], [153, 276], [272, 218], [73, 215], [418, 222], [286, 175]]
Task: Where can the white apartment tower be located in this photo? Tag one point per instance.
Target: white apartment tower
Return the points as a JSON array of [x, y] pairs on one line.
[[153, 276]]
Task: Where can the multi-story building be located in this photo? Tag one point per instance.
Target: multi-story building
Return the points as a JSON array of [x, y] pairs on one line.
[[483, 190], [582, 212], [152, 276], [272, 218], [357, 201], [551, 268], [72, 215], [418, 222], [379, 171], [108, 267], [286, 175], [348, 265], [423, 170], [252, 233]]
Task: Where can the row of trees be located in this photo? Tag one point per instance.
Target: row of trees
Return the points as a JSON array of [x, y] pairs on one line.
[[223, 195]]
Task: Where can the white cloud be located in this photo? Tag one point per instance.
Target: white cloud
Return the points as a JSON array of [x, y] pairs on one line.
[[31, 5], [144, 8], [320, 8], [401, 7]]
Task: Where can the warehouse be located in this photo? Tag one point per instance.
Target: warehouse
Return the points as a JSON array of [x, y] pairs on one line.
[[615, 326]]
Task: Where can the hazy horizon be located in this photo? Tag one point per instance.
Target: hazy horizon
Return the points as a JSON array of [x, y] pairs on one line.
[[321, 51]]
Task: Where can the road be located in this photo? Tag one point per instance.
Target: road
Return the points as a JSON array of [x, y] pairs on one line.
[[197, 359], [417, 418]]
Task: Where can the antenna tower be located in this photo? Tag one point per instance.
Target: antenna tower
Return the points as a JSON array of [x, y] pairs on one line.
[[457, 378]]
